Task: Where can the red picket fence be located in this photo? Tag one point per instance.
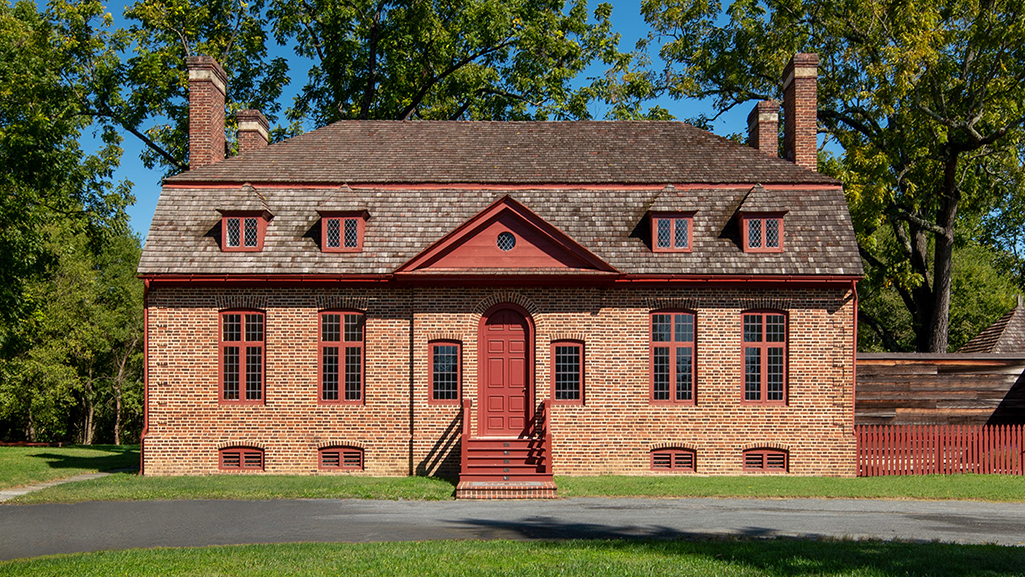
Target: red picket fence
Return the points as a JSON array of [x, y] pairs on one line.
[[940, 449]]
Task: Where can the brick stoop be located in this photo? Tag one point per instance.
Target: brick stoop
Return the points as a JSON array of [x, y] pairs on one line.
[[505, 490]]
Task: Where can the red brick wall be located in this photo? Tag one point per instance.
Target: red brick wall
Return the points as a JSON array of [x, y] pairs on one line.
[[612, 432]]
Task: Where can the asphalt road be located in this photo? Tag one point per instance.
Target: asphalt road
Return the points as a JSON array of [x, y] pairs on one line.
[[32, 530]]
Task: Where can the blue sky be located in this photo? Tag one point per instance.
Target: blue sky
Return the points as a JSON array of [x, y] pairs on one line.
[[627, 21]]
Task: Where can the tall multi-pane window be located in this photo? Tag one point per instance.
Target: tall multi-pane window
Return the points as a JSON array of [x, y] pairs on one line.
[[341, 357], [763, 233], [672, 357], [445, 363], [342, 233], [671, 233], [765, 357], [242, 356], [568, 372]]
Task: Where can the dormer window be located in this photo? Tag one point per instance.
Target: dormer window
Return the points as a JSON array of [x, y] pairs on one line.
[[671, 232], [762, 232], [243, 232], [342, 233]]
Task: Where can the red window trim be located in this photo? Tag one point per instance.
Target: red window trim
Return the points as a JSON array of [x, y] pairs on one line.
[[674, 459], [432, 392], [242, 365], [243, 453], [764, 456], [345, 453], [361, 224], [762, 218], [672, 217], [580, 371], [673, 346], [764, 373], [341, 345], [261, 231]]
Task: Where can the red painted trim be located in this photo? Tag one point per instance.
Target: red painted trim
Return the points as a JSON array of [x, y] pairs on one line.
[[242, 452], [242, 345], [431, 399], [672, 453], [581, 371], [854, 356], [482, 363], [341, 345], [207, 185], [745, 221], [505, 204], [764, 454], [361, 226], [672, 345], [764, 345], [341, 449], [261, 231], [417, 279], [673, 218], [145, 376]]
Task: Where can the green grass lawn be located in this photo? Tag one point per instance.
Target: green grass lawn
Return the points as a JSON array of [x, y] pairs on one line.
[[21, 466], [590, 558], [131, 487], [928, 487]]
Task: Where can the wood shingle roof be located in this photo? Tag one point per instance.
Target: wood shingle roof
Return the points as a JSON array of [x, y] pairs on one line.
[[589, 152]]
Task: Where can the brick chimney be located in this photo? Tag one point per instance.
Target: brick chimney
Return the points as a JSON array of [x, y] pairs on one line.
[[207, 87], [800, 110], [763, 127], [252, 130]]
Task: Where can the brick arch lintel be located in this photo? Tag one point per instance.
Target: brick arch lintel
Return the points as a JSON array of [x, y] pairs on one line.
[[453, 337], [671, 445], [240, 301], [351, 302], [566, 337], [513, 298], [777, 446], [240, 445], [341, 443]]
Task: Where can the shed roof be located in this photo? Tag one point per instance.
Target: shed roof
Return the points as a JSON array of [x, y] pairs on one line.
[[1006, 335]]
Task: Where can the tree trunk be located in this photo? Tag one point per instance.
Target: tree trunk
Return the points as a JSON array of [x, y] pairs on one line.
[[90, 411], [944, 256], [30, 427]]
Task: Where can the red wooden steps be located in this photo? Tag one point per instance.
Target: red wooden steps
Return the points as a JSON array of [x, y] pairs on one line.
[[496, 460]]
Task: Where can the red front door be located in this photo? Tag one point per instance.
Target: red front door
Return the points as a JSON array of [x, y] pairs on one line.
[[505, 387]]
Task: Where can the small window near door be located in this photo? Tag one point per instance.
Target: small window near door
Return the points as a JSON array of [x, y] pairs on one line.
[[568, 372], [446, 375]]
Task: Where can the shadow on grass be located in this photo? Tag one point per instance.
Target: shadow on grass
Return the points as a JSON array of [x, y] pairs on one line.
[[103, 457], [760, 549]]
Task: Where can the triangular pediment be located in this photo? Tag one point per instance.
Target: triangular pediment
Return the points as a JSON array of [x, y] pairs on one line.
[[509, 238]]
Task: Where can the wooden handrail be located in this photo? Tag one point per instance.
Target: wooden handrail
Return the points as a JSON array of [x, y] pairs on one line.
[[465, 437], [546, 430]]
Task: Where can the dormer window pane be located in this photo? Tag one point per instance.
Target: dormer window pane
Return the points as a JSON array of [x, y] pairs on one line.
[[252, 232], [772, 233], [754, 233], [234, 234], [333, 233], [351, 233], [681, 233], [664, 232]]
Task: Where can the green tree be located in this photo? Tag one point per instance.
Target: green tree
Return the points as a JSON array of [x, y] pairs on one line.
[[924, 98], [60, 218], [428, 59]]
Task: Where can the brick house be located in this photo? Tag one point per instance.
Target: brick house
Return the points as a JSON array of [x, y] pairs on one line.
[[501, 300]]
